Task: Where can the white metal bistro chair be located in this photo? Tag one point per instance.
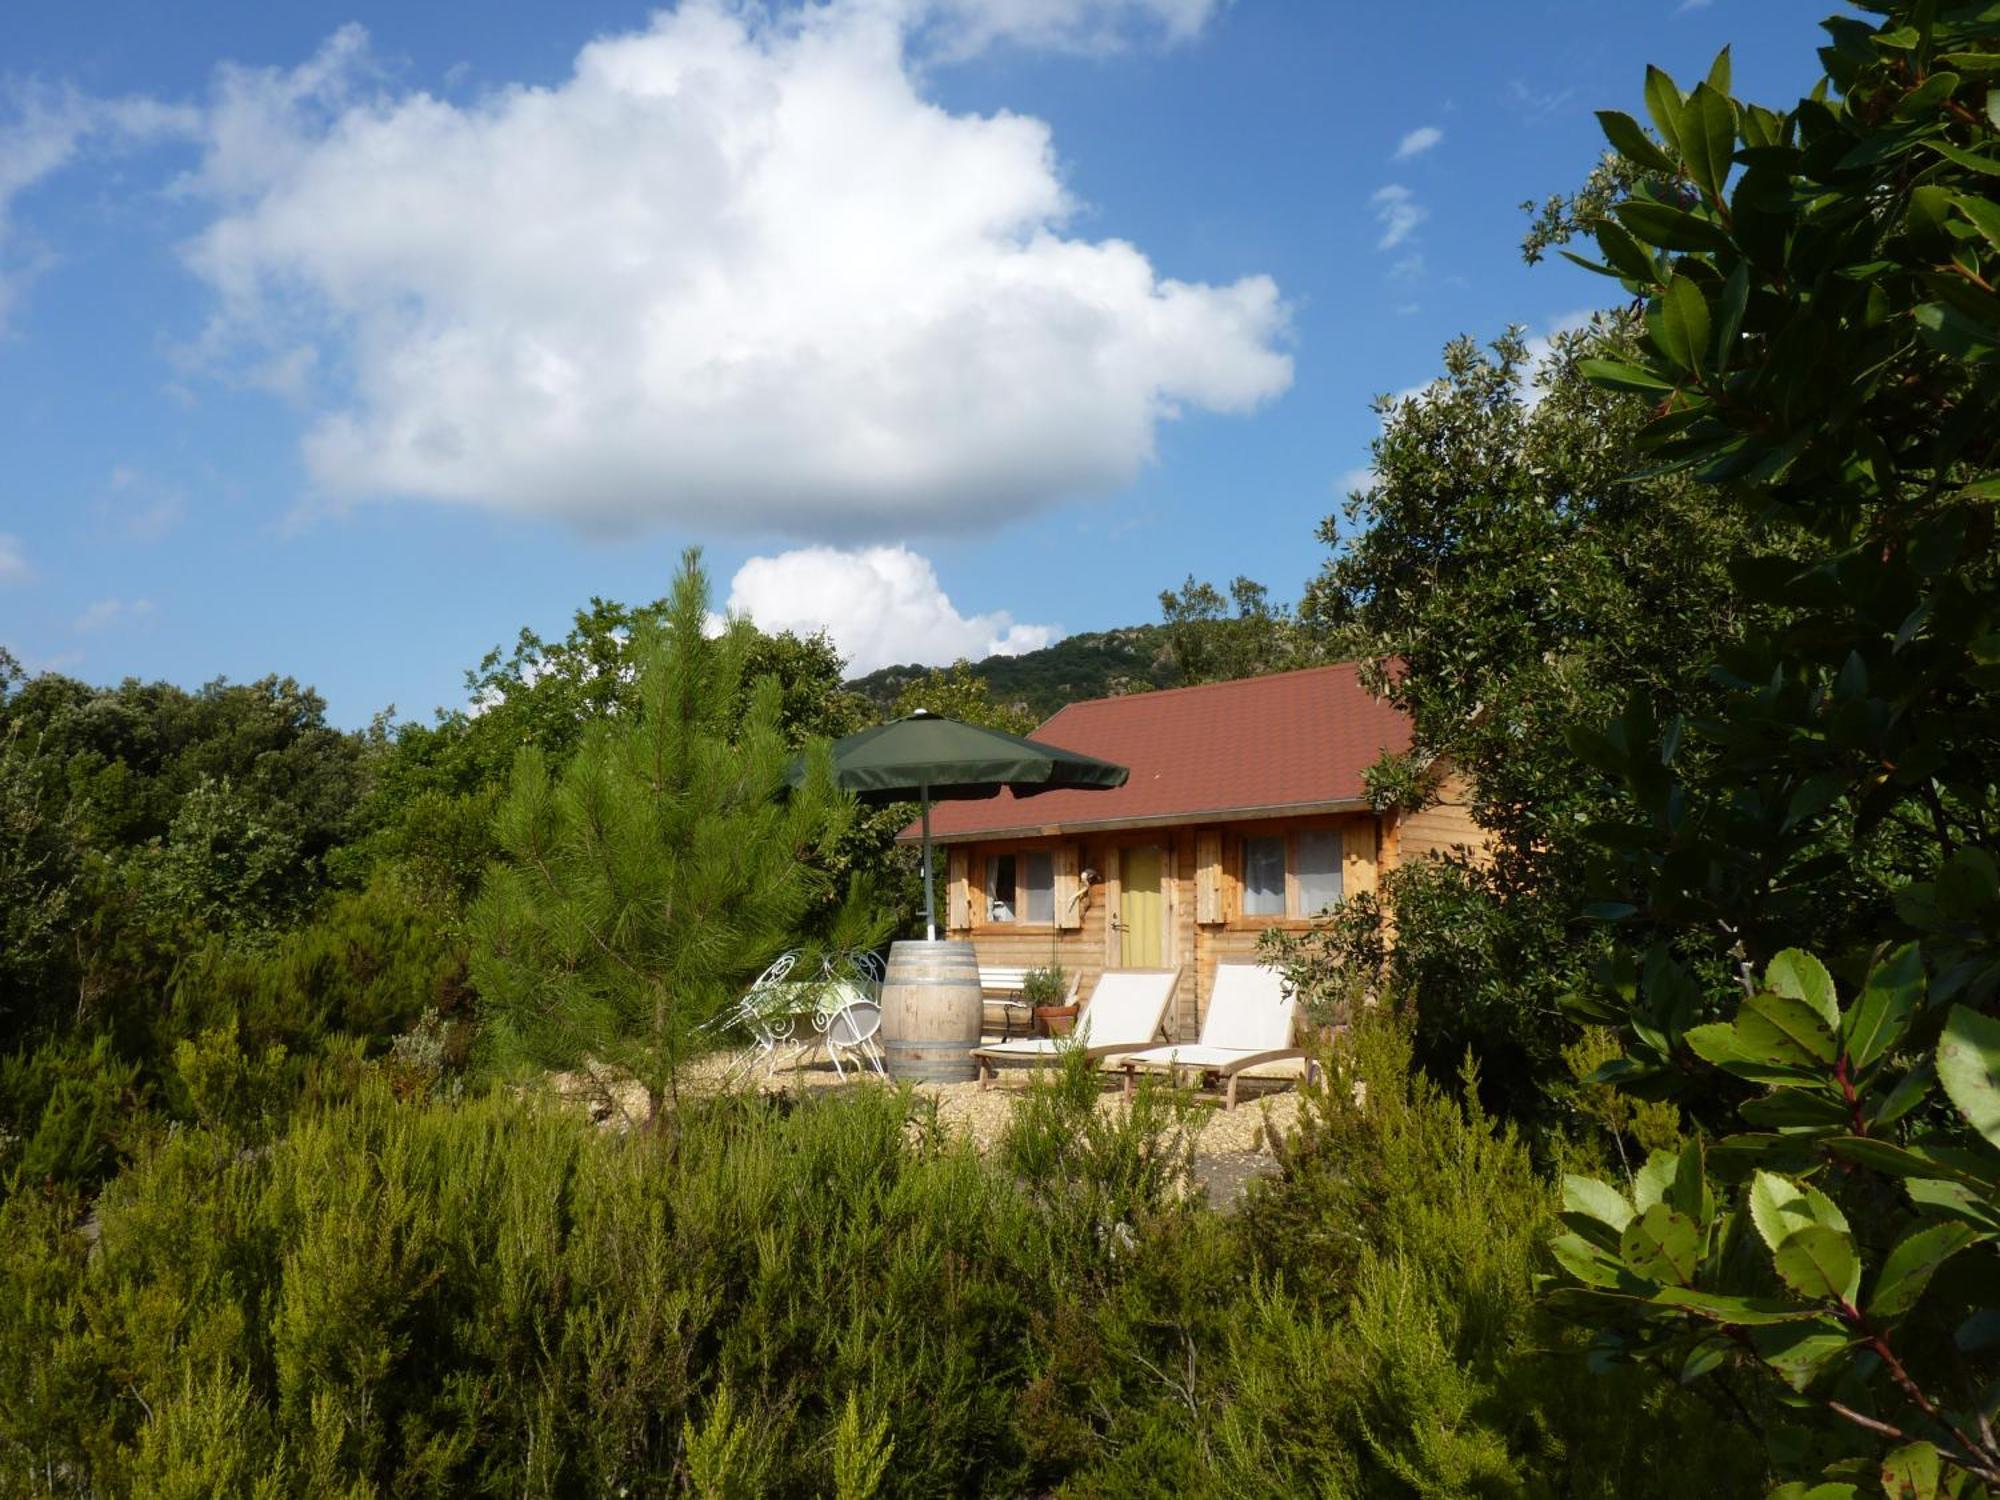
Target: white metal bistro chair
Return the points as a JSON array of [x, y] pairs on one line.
[[761, 1014], [852, 1029], [787, 1015]]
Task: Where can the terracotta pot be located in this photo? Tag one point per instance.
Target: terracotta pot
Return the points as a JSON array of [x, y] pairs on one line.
[[1054, 1020]]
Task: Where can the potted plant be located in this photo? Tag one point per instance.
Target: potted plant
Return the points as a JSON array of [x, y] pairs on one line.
[[1046, 990]]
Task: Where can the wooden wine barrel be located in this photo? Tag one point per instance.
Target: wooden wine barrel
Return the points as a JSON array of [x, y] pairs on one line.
[[931, 1008]]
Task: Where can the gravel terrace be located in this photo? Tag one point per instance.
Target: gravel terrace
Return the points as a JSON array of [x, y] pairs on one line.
[[1232, 1149]]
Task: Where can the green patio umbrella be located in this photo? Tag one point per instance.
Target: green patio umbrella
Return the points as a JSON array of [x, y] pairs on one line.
[[927, 758]]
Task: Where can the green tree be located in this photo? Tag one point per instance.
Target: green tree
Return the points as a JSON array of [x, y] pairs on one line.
[[644, 883], [436, 786], [1822, 344], [1208, 643], [40, 869], [1507, 579], [959, 692]]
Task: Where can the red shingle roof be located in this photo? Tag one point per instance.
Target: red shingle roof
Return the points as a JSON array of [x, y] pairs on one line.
[[1263, 745]]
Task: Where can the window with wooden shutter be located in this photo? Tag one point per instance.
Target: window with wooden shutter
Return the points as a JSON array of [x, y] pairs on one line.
[[958, 900], [1208, 877]]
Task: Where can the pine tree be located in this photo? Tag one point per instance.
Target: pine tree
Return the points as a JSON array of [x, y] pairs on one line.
[[644, 884]]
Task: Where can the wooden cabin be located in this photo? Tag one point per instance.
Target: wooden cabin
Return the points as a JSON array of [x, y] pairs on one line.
[[1244, 811]]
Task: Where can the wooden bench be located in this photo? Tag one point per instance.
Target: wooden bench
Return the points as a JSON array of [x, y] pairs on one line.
[[1001, 985]]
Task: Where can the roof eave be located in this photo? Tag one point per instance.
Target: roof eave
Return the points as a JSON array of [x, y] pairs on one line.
[[1199, 816]]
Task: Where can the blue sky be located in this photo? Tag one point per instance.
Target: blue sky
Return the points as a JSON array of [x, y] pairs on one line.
[[342, 340]]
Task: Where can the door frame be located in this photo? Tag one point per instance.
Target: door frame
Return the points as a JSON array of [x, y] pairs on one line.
[[1167, 841]]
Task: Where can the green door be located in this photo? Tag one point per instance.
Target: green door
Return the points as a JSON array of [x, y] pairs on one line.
[[1141, 908]]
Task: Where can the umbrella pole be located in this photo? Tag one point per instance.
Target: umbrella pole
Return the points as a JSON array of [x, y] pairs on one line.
[[930, 900]]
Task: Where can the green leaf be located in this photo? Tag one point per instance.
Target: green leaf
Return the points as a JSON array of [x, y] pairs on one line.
[[1797, 975], [1623, 377], [1689, 1194], [1679, 323], [1585, 1261], [1777, 1208], [1595, 1200], [1784, 1029], [1704, 1357], [1968, 1065], [1632, 142], [1741, 1312], [1954, 1200], [1824, 1210], [1651, 1182], [1819, 1263], [1719, 1043], [1625, 253], [1708, 138], [1966, 159], [1797, 1109], [1799, 1351], [1908, 1268], [1910, 1091], [1984, 214], [1592, 266], [1664, 103], [1735, 301], [1904, 1161], [1662, 1245], [1669, 228], [1718, 72], [1887, 1003], [1911, 1473]]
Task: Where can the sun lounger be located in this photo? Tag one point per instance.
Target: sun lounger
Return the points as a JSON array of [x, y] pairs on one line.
[[1251, 1013], [1122, 1015]]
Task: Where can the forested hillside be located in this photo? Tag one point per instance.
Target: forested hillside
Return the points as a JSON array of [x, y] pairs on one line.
[[1095, 664]]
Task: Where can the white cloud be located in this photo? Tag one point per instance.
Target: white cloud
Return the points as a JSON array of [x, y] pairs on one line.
[[1417, 142], [1399, 214], [106, 613], [1361, 479], [959, 28], [881, 605], [13, 560], [43, 131], [736, 270]]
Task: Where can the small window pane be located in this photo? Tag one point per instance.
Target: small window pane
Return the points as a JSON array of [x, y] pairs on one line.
[[1319, 871], [1038, 888], [1264, 877], [1000, 888]]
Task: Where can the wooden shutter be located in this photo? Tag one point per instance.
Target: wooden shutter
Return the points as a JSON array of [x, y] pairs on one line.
[[1358, 872], [1208, 876], [958, 900], [1069, 894]]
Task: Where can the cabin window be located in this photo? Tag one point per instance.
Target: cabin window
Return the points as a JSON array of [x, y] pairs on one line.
[[1264, 877], [1292, 875], [1021, 888], [1318, 870]]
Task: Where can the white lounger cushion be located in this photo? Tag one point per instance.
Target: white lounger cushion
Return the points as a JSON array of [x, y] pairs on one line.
[[1250, 1010]]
